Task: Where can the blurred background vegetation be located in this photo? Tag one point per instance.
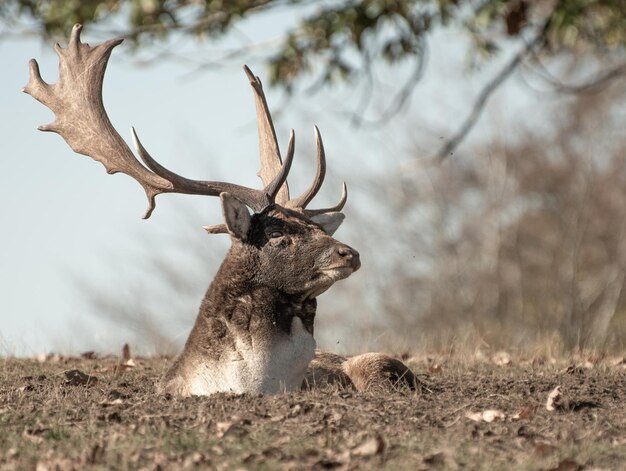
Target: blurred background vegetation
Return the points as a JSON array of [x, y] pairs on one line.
[[509, 241]]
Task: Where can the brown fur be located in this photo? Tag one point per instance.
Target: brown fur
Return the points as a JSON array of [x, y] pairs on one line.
[[255, 325], [361, 372], [262, 285]]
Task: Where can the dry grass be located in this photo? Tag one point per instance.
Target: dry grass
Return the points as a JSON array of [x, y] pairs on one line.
[[114, 419]]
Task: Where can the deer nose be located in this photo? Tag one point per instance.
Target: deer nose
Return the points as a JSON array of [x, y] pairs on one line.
[[348, 254]]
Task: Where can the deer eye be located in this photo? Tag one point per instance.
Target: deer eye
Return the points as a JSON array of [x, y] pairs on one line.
[[275, 234]]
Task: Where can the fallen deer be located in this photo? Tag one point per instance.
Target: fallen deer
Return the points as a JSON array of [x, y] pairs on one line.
[[254, 331]]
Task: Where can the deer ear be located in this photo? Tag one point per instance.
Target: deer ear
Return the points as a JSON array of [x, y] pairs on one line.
[[236, 216], [330, 222]]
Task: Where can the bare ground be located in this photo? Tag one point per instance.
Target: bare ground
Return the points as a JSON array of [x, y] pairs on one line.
[[485, 413]]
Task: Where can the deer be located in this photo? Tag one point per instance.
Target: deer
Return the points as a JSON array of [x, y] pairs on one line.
[[255, 325]]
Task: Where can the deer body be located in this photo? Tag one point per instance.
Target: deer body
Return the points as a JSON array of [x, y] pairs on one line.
[[254, 331], [245, 354]]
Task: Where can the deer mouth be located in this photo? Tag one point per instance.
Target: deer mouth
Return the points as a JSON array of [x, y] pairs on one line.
[[337, 273], [325, 278]]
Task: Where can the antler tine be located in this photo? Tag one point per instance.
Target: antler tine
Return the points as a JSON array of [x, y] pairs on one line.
[[216, 229], [305, 198], [255, 199], [269, 151], [302, 201], [269, 155], [338, 207], [274, 187]]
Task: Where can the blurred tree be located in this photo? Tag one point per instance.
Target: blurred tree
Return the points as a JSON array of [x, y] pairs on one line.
[[342, 40], [519, 246], [514, 245]]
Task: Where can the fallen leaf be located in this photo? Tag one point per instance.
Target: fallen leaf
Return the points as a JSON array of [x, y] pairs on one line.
[[42, 357], [333, 418], [475, 416], [95, 455], [543, 449], [370, 447], [583, 404], [435, 369], [126, 352], [114, 402], [61, 464], [115, 394], [527, 413], [333, 460], [223, 427], [501, 358], [567, 465], [435, 459], [526, 432], [488, 415], [111, 417], [195, 460], [78, 378], [118, 368], [491, 414], [577, 369], [233, 428], [278, 418], [554, 399], [32, 436], [273, 453]]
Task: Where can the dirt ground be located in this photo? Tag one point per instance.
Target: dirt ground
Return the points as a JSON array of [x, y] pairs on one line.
[[481, 413]]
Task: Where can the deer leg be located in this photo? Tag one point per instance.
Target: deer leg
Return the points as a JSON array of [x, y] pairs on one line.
[[326, 370], [377, 370], [361, 372]]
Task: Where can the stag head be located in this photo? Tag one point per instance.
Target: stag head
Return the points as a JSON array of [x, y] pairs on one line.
[[287, 251]]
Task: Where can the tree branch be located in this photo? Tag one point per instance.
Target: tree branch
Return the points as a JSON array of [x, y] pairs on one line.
[[399, 100], [489, 88], [589, 86]]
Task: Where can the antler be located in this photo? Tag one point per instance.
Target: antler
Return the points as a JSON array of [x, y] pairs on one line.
[[269, 154], [80, 118]]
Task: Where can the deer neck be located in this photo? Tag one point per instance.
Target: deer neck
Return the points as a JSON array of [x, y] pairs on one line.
[[236, 296]]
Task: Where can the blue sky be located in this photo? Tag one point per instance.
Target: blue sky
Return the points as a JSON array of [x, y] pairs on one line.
[[65, 220]]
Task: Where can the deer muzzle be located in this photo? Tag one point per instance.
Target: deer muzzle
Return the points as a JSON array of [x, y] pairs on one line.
[[346, 256]]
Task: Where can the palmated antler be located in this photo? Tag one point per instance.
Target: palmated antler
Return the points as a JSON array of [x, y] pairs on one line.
[[76, 100], [80, 118]]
